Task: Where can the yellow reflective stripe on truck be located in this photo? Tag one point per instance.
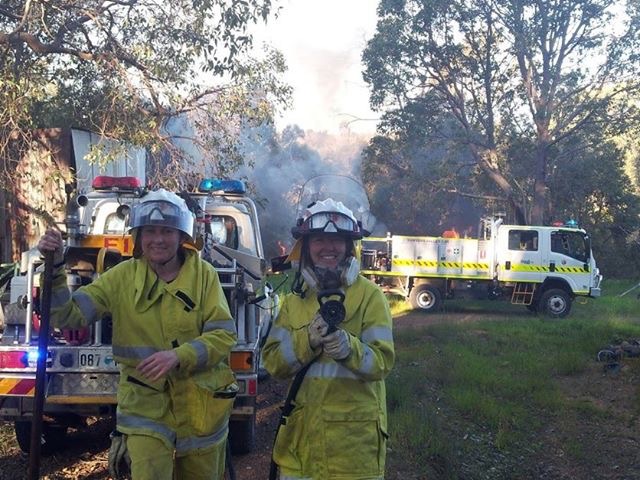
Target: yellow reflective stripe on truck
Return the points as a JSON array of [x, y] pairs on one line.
[[515, 267], [404, 262], [521, 267]]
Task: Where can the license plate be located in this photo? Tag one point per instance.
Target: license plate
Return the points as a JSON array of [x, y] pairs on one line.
[[89, 358]]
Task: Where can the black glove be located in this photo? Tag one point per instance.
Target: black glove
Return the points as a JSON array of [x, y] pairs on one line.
[[119, 460]]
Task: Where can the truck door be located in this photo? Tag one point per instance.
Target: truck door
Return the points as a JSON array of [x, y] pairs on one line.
[[569, 258], [519, 254]]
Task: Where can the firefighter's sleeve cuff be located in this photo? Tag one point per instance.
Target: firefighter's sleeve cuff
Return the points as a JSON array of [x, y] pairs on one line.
[[352, 361], [186, 357]]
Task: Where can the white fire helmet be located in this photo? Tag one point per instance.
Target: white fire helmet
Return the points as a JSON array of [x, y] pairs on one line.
[[165, 209], [327, 216]]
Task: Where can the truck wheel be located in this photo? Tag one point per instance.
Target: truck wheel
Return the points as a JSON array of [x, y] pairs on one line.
[[425, 297], [242, 435], [555, 302], [52, 437]]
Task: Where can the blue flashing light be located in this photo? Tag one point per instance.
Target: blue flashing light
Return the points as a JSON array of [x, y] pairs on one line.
[[218, 185], [32, 357], [571, 223]]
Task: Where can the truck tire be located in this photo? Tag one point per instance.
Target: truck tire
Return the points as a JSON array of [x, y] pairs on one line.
[[52, 436], [425, 297], [555, 303], [242, 435]]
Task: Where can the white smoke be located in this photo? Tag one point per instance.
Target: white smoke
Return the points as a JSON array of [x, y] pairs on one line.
[[280, 166]]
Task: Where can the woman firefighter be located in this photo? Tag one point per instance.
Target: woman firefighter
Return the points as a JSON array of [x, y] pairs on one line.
[[334, 424], [172, 335]]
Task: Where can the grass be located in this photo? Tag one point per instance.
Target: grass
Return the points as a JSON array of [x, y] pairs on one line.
[[495, 380]]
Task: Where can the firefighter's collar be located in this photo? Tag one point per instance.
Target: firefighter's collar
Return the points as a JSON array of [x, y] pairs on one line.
[[149, 287]]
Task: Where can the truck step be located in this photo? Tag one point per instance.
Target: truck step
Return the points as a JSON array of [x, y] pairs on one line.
[[523, 293]]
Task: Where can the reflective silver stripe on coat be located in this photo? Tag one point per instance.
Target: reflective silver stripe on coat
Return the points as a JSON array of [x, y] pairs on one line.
[[86, 306], [330, 370], [135, 353], [368, 359], [184, 445], [286, 346], [228, 325], [372, 334], [59, 297], [134, 421], [202, 355]]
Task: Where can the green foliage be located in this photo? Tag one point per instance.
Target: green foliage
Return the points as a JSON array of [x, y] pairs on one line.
[[506, 106], [128, 70]]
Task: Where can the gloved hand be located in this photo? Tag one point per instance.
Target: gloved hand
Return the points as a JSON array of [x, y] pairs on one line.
[[119, 460], [336, 345], [317, 330]]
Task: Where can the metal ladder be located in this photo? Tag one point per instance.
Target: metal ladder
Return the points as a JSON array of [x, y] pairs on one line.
[[523, 293]]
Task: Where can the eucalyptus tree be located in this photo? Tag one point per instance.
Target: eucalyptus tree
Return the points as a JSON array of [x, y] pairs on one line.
[[507, 85], [127, 69]]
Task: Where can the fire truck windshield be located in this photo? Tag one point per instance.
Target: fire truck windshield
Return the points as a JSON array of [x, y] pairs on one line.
[[573, 244]]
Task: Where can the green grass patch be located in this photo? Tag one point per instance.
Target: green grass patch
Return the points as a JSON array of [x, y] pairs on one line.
[[500, 377]]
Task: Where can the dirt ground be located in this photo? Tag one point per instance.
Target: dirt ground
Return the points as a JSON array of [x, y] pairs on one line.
[[603, 443]]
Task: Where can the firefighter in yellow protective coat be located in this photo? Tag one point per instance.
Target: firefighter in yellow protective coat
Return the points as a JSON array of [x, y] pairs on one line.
[[337, 426], [172, 336]]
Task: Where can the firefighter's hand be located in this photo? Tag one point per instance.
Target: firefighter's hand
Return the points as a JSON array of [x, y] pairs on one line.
[[159, 364], [317, 330], [336, 345], [51, 241], [119, 460]]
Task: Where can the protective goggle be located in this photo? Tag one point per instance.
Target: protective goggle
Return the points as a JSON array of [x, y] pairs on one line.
[[330, 222]]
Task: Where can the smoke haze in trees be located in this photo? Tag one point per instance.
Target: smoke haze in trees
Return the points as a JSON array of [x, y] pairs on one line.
[[280, 164]]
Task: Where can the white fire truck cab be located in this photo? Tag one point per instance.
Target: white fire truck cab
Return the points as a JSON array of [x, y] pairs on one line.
[[543, 268], [82, 376]]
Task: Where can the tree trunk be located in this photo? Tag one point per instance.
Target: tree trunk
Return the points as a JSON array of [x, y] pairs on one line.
[[487, 166], [539, 208]]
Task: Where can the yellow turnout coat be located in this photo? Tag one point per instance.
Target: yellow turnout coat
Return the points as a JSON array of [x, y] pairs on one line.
[[189, 408], [338, 428]]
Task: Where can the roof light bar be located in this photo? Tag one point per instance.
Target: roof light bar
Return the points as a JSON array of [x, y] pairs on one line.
[[104, 182], [216, 185]]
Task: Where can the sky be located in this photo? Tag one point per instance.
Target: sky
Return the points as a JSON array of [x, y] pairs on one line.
[[322, 42]]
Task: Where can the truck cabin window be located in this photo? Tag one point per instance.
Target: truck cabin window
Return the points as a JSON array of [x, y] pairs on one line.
[[523, 240], [571, 244], [114, 224], [224, 231]]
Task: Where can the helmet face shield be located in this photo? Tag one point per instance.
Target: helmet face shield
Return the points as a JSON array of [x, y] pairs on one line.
[[327, 216], [162, 214]]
